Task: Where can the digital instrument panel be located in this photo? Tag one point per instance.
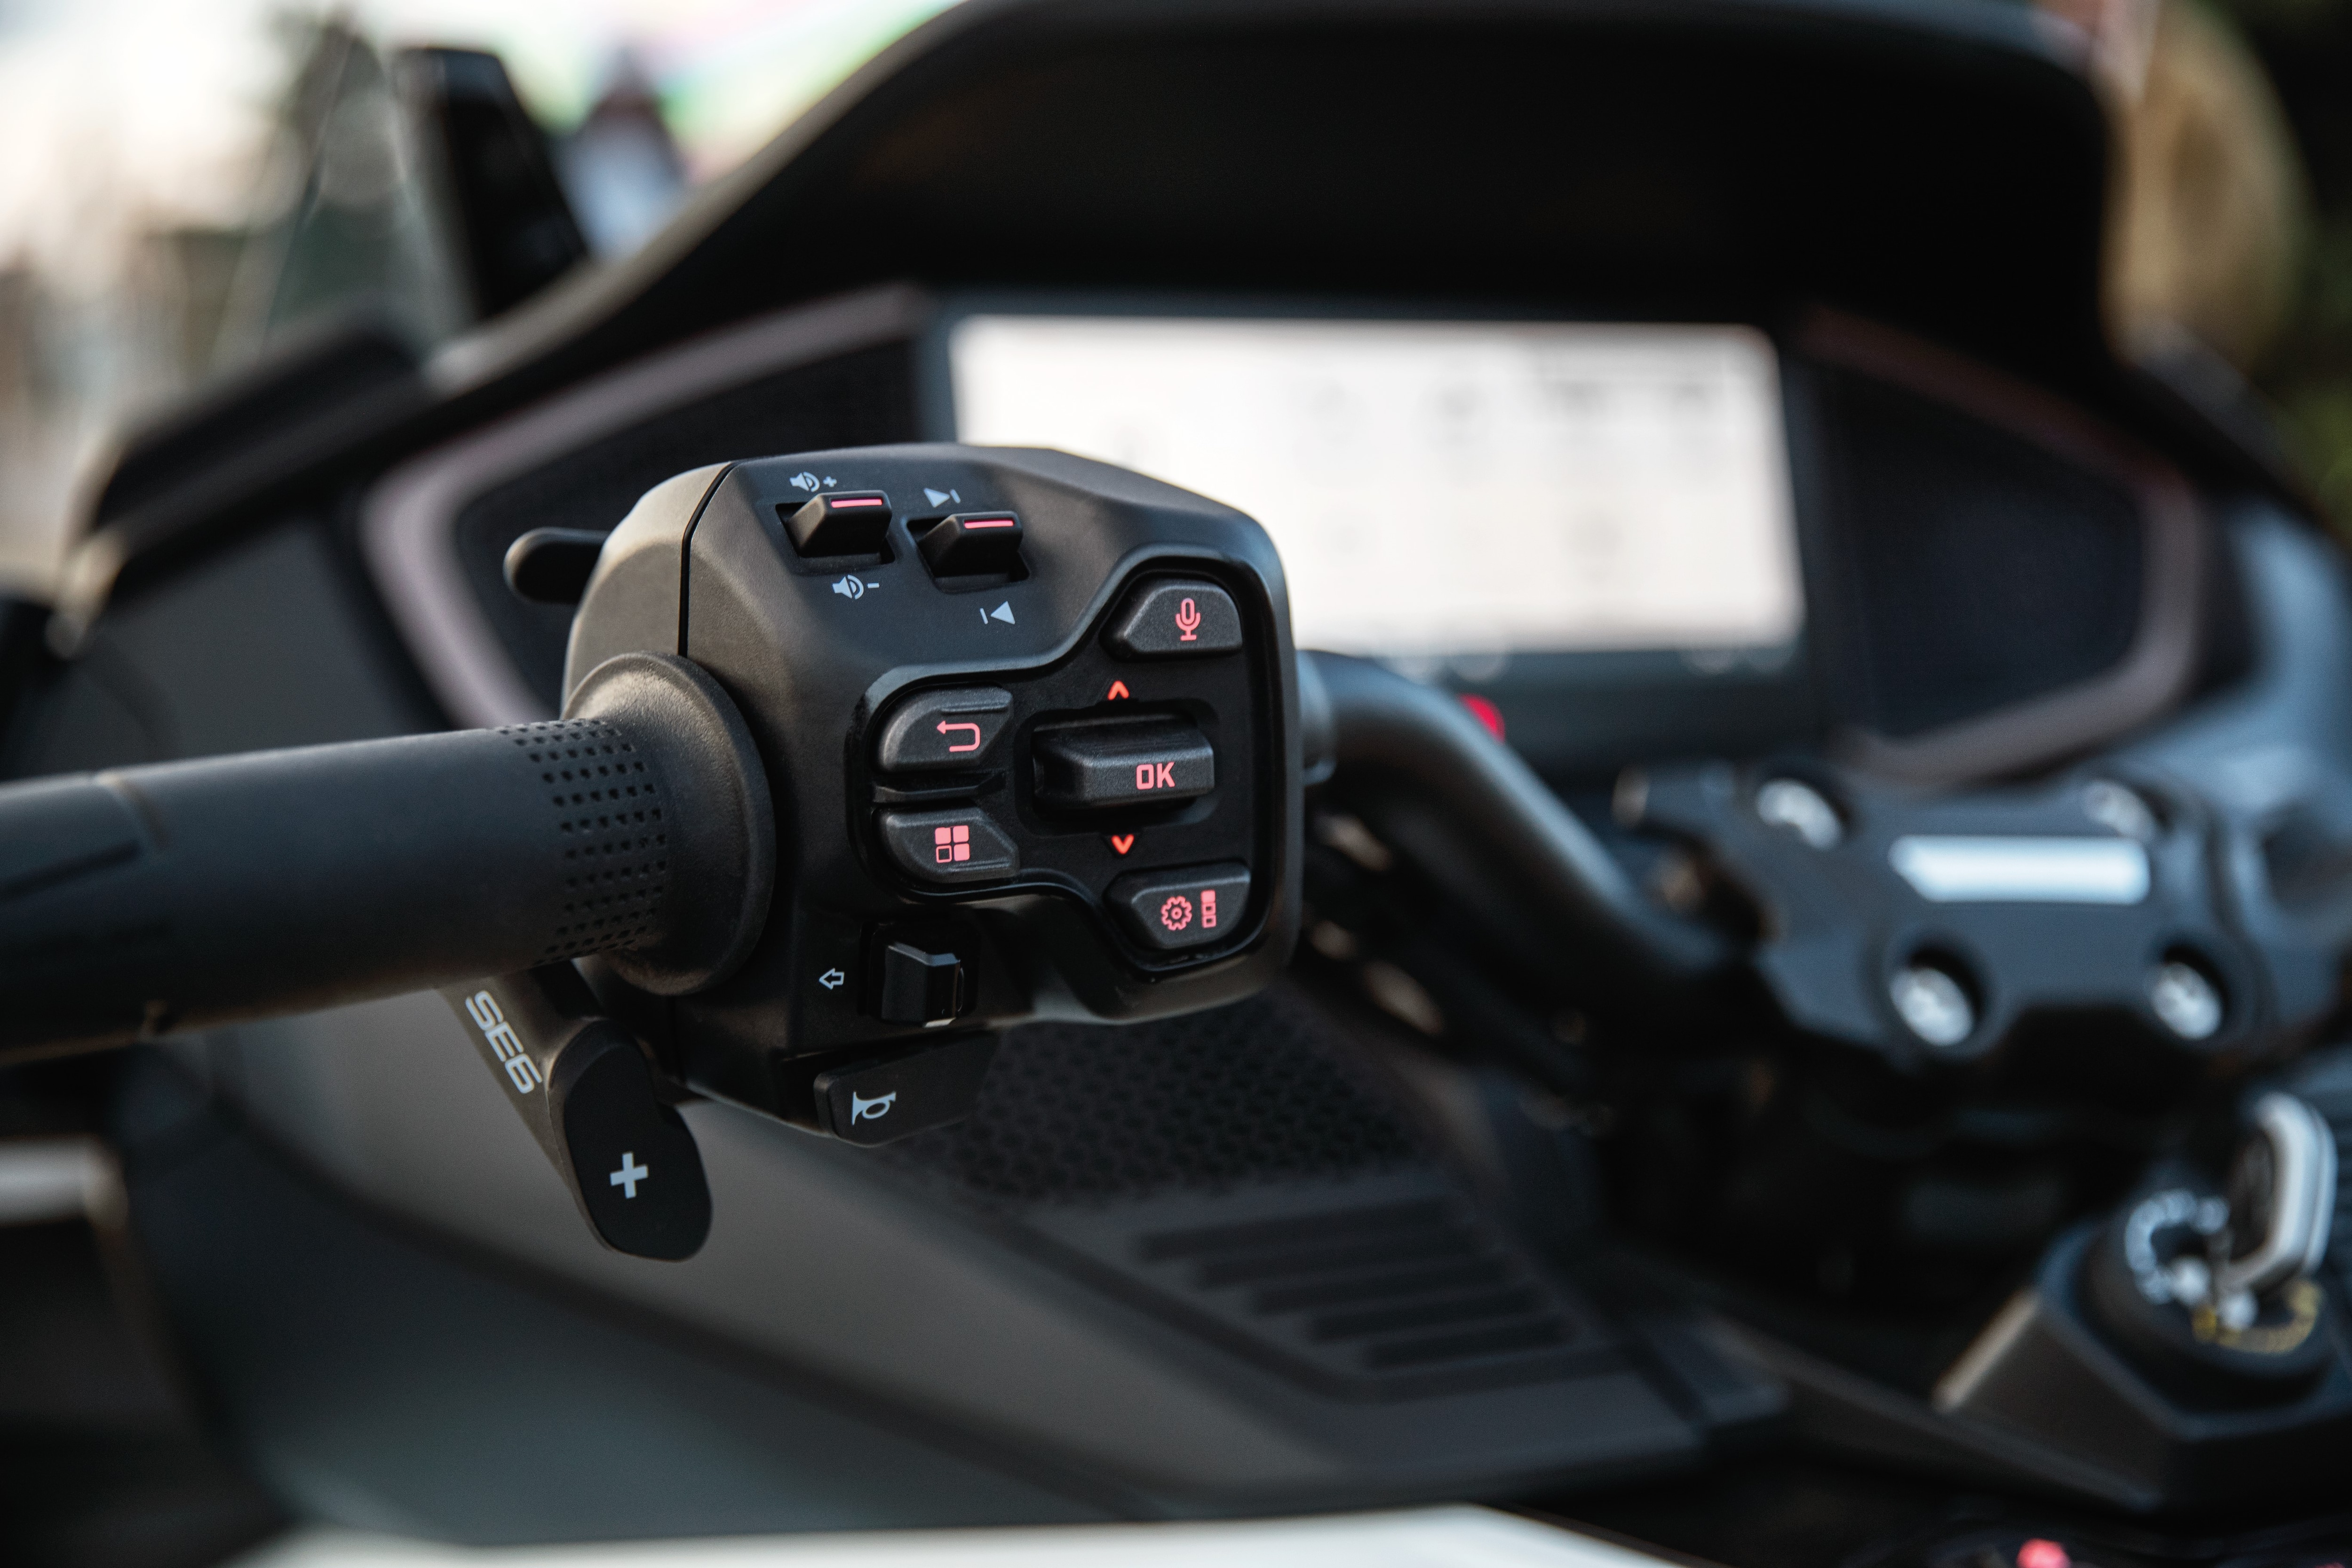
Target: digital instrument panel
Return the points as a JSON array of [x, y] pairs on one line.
[[1440, 488]]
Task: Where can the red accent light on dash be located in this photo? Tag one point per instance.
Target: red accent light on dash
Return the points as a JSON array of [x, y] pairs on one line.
[[844, 505], [970, 523], [2041, 1554], [1486, 712]]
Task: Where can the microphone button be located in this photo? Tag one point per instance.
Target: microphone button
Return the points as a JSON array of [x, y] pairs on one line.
[[1176, 619]]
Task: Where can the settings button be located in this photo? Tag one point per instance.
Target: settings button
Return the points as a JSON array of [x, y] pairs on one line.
[[1192, 906]]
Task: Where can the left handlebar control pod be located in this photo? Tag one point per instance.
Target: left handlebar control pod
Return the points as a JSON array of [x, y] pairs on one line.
[[137, 902]]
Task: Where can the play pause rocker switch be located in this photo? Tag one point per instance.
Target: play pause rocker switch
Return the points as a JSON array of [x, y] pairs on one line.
[[970, 543], [1192, 906]]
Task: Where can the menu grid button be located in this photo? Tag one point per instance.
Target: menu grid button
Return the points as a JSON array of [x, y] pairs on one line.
[[948, 848]]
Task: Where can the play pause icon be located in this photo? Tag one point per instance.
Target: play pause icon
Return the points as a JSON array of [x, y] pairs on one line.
[[941, 498]]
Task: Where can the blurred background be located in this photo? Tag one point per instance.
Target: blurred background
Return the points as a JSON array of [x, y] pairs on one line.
[[188, 185]]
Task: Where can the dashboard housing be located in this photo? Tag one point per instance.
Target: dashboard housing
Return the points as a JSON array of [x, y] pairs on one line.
[[1996, 578]]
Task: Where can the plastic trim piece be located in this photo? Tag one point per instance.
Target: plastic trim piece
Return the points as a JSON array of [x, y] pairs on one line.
[[407, 523], [2020, 869], [2157, 668]]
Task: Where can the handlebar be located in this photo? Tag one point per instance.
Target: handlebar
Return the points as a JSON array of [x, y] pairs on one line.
[[1384, 731], [188, 894]]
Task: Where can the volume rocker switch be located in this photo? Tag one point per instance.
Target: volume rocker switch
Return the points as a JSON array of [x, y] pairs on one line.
[[847, 524]]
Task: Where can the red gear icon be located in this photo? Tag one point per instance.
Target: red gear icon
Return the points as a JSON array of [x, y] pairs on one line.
[[1177, 912]]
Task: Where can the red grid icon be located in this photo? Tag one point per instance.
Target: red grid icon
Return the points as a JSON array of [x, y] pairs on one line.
[[950, 845]]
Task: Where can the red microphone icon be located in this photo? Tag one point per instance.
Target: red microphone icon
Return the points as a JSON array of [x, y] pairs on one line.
[[1187, 620]]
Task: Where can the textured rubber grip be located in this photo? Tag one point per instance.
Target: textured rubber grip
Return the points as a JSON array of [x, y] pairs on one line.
[[177, 896]]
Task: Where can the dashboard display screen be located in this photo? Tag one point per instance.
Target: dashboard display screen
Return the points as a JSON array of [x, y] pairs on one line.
[[1440, 488]]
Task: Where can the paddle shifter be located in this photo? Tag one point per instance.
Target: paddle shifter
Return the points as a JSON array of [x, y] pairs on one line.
[[864, 755]]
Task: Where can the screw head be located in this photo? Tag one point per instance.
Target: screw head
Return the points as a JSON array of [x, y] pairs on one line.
[[2120, 809], [1933, 1004], [2185, 1001], [1797, 807]]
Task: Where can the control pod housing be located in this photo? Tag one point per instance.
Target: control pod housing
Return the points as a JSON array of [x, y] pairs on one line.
[[1063, 785]]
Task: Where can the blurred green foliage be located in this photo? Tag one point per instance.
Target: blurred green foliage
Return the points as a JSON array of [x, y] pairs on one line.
[[2306, 46]]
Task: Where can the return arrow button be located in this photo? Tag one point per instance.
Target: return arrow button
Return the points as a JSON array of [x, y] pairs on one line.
[[932, 731]]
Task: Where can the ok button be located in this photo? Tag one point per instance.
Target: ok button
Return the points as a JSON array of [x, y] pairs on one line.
[[1124, 761]]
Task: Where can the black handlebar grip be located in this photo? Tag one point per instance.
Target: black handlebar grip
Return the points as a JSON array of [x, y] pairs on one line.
[[154, 899]]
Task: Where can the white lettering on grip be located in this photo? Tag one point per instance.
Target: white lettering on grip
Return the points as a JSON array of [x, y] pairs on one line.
[[521, 1071]]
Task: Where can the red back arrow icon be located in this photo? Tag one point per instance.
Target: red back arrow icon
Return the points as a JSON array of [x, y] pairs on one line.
[[945, 728]]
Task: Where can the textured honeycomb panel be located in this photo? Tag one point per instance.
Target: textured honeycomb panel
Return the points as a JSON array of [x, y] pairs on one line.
[[1246, 1093]]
